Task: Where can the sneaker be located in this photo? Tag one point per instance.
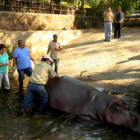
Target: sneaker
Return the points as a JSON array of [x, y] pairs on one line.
[[109, 40], [42, 109], [105, 39]]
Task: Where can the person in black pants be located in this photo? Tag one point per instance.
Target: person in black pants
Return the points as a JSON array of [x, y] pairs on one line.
[[118, 20]]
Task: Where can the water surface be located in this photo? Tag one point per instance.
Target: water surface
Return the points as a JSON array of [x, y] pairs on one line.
[[55, 125]]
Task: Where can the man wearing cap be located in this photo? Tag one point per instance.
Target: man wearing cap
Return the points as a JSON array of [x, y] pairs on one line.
[[54, 48], [36, 83]]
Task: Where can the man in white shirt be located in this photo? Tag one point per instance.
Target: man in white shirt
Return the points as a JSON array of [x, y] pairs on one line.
[[54, 48]]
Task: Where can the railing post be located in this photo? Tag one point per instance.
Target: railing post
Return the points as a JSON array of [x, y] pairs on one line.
[[51, 7]]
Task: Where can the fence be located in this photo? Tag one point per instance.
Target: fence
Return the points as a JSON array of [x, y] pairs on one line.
[[42, 7]]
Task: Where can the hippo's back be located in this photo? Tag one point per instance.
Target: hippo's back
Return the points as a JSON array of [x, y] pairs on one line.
[[68, 95]]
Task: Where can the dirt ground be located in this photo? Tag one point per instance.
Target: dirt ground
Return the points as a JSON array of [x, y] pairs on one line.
[[92, 59]]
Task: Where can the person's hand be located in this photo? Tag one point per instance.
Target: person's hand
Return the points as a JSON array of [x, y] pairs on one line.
[[61, 75], [8, 62], [60, 48], [34, 62], [14, 68]]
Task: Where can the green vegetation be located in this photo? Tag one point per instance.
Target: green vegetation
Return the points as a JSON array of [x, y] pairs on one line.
[[101, 5]]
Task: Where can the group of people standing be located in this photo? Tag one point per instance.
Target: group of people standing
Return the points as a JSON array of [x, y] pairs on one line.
[[38, 77], [117, 19]]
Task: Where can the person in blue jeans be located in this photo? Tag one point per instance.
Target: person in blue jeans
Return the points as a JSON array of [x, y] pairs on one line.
[[36, 84], [3, 68], [54, 48], [108, 20], [22, 59]]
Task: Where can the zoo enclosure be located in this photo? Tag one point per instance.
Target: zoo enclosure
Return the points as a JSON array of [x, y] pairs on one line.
[[43, 7]]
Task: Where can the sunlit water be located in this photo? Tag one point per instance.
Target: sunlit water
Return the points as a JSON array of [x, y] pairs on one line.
[[54, 125]]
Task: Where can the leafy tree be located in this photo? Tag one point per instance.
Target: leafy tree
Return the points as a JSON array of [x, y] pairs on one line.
[[126, 5]]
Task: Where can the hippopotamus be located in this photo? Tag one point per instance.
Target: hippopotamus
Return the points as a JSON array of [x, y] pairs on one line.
[[83, 101]]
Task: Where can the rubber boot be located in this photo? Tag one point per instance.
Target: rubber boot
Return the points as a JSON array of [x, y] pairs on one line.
[[21, 110], [21, 85], [7, 90], [42, 109]]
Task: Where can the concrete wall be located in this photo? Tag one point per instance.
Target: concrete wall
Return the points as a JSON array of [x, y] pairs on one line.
[[32, 21], [36, 41]]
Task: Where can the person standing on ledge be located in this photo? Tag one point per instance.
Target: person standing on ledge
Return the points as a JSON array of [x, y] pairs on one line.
[[118, 20], [22, 59], [54, 48], [108, 20], [3, 68]]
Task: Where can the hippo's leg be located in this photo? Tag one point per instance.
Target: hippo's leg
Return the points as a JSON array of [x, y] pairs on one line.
[[84, 117]]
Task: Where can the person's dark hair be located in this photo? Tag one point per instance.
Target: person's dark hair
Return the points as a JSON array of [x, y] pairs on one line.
[[20, 42], [2, 46], [44, 59], [55, 35]]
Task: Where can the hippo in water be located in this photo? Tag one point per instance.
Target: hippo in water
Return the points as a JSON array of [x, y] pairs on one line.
[[76, 98]]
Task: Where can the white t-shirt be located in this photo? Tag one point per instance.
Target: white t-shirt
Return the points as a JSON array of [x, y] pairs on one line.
[[54, 54]]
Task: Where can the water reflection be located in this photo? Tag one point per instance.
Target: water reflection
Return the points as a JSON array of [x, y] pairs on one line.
[[54, 125]]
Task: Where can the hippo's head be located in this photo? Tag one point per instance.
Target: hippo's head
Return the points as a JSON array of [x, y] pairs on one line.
[[120, 114]]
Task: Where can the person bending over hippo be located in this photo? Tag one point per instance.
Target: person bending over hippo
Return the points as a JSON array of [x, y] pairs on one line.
[[36, 84]]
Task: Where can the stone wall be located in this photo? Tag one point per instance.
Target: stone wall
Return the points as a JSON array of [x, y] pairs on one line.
[[31, 21]]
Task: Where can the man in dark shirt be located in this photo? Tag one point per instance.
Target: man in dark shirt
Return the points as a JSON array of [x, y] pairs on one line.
[[118, 20]]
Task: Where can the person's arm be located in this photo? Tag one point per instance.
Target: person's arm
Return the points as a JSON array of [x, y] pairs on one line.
[[58, 49], [106, 13], [53, 73], [48, 50], [2, 64], [115, 18], [6, 63], [14, 61], [121, 20], [57, 76], [31, 57], [112, 17]]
